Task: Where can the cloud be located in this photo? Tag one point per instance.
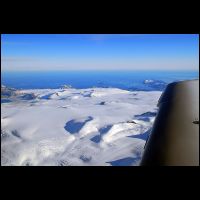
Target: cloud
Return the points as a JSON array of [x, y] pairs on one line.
[[20, 64], [98, 37], [103, 37]]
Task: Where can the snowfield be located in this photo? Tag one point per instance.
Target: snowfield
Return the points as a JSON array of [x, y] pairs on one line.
[[78, 127]]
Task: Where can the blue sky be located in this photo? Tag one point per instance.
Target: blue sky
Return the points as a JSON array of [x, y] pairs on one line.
[[29, 52]]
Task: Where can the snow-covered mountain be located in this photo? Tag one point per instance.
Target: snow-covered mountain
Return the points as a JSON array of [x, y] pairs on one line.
[[96, 126]]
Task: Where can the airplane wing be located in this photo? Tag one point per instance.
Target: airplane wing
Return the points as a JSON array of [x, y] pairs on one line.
[[174, 139]]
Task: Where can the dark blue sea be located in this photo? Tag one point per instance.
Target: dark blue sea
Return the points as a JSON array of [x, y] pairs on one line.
[[129, 80]]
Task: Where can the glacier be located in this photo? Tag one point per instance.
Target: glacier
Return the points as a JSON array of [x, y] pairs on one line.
[[75, 127]]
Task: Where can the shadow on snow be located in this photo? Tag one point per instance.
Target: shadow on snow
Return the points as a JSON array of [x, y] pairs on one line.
[[73, 126], [124, 161], [142, 136], [102, 131]]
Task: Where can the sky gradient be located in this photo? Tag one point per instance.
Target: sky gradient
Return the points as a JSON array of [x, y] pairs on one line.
[[29, 52]]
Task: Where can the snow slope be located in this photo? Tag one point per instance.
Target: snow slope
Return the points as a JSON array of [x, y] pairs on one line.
[[96, 126]]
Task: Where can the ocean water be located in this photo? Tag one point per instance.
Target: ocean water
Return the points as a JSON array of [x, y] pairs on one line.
[[129, 80]]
